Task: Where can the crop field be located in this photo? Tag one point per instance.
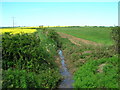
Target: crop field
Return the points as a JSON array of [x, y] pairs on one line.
[[17, 30], [60, 45], [92, 67], [96, 34], [30, 57]]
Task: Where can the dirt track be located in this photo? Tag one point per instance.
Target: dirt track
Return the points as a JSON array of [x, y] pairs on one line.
[[76, 40]]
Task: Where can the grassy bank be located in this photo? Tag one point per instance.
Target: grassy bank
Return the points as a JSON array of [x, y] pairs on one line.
[[101, 73], [92, 67]]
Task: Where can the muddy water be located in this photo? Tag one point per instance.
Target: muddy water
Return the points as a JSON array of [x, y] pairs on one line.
[[67, 81]]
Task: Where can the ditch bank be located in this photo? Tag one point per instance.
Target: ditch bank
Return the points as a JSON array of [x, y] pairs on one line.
[[67, 77]]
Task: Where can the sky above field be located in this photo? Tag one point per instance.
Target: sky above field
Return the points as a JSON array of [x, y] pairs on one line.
[[59, 13]]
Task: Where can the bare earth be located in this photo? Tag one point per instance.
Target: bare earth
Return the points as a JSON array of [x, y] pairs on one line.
[[100, 70], [76, 40]]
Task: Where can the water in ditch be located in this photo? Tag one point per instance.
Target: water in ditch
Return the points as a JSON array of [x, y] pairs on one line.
[[67, 81]]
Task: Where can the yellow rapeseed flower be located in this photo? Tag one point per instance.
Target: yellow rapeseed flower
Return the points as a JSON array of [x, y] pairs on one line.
[[17, 30]]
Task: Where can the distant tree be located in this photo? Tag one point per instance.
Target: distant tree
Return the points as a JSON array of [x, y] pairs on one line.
[[41, 26]]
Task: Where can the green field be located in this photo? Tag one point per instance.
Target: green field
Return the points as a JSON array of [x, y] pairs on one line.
[[96, 34], [29, 60]]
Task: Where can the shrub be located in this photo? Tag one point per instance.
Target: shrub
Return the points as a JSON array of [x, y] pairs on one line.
[[26, 63], [22, 79], [24, 52], [116, 38], [18, 79], [54, 36]]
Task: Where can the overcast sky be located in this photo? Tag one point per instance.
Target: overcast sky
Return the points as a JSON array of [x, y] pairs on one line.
[[59, 13]]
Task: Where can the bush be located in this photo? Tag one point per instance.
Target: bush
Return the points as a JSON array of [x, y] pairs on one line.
[[26, 63], [22, 79], [54, 36], [116, 38], [24, 52], [18, 79]]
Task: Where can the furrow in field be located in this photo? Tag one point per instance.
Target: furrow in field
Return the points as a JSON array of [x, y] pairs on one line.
[[77, 41]]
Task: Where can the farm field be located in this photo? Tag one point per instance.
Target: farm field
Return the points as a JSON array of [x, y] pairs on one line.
[[34, 53], [60, 44], [91, 65], [17, 30], [97, 34]]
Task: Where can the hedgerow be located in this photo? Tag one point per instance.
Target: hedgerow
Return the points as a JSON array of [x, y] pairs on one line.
[[26, 62]]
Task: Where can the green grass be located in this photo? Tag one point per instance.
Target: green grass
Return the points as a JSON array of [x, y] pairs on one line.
[[88, 77], [84, 66], [74, 53], [96, 34]]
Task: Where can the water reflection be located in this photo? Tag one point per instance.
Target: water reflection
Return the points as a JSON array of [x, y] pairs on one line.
[[67, 81]]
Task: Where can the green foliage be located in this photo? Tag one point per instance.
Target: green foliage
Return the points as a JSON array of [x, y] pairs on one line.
[[55, 37], [74, 53], [24, 52], [27, 63], [18, 79], [22, 79], [116, 33], [88, 77], [50, 40], [87, 64], [116, 38]]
